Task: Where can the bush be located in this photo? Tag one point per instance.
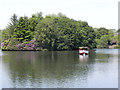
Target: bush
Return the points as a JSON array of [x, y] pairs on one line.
[[12, 44], [4, 44], [27, 45], [117, 47], [9, 44]]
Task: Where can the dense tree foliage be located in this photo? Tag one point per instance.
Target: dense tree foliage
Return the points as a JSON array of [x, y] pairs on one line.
[[57, 32], [104, 37], [54, 32]]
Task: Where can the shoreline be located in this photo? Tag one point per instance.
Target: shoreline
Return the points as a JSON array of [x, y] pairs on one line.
[[58, 50]]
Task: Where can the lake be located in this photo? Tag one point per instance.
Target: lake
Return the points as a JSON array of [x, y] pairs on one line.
[[59, 69]]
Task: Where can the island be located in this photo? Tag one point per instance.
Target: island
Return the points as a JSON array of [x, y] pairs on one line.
[[54, 33]]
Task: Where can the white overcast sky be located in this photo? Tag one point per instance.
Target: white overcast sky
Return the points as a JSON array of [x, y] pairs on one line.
[[98, 13]]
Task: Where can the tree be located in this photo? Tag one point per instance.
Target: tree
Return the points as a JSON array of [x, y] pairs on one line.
[[12, 24], [5, 34], [57, 32], [21, 32], [39, 16], [104, 41], [32, 22], [45, 34], [14, 20], [54, 32], [100, 32]]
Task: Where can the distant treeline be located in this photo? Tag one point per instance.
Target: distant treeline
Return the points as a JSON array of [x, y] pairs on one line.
[[52, 32]]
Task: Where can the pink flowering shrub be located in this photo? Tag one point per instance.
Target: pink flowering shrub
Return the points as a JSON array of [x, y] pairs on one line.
[[27, 45], [14, 44], [4, 44]]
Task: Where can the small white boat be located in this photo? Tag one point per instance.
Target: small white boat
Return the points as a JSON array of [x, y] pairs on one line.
[[83, 50]]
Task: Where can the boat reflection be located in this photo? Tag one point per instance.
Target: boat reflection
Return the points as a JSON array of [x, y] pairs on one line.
[[83, 58]]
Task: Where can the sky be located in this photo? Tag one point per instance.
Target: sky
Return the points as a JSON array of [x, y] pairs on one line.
[[98, 13]]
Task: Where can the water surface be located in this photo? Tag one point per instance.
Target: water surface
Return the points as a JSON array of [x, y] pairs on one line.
[[59, 69]]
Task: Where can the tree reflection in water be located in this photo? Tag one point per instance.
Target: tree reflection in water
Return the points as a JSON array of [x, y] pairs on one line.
[[55, 69]]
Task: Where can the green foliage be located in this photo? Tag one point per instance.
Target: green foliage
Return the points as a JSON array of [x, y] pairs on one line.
[[100, 32], [39, 16], [32, 22], [54, 32], [117, 37], [103, 31], [57, 32], [5, 34], [12, 44], [21, 32], [104, 41], [4, 44], [12, 25], [117, 47], [104, 37]]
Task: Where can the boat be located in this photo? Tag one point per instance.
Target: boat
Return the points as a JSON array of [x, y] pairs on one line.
[[83, 51]]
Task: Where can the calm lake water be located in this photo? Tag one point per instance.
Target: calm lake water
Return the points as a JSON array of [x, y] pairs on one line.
[[59, 69]]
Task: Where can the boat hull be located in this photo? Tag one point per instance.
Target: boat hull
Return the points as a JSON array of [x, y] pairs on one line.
[[83, 52]]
